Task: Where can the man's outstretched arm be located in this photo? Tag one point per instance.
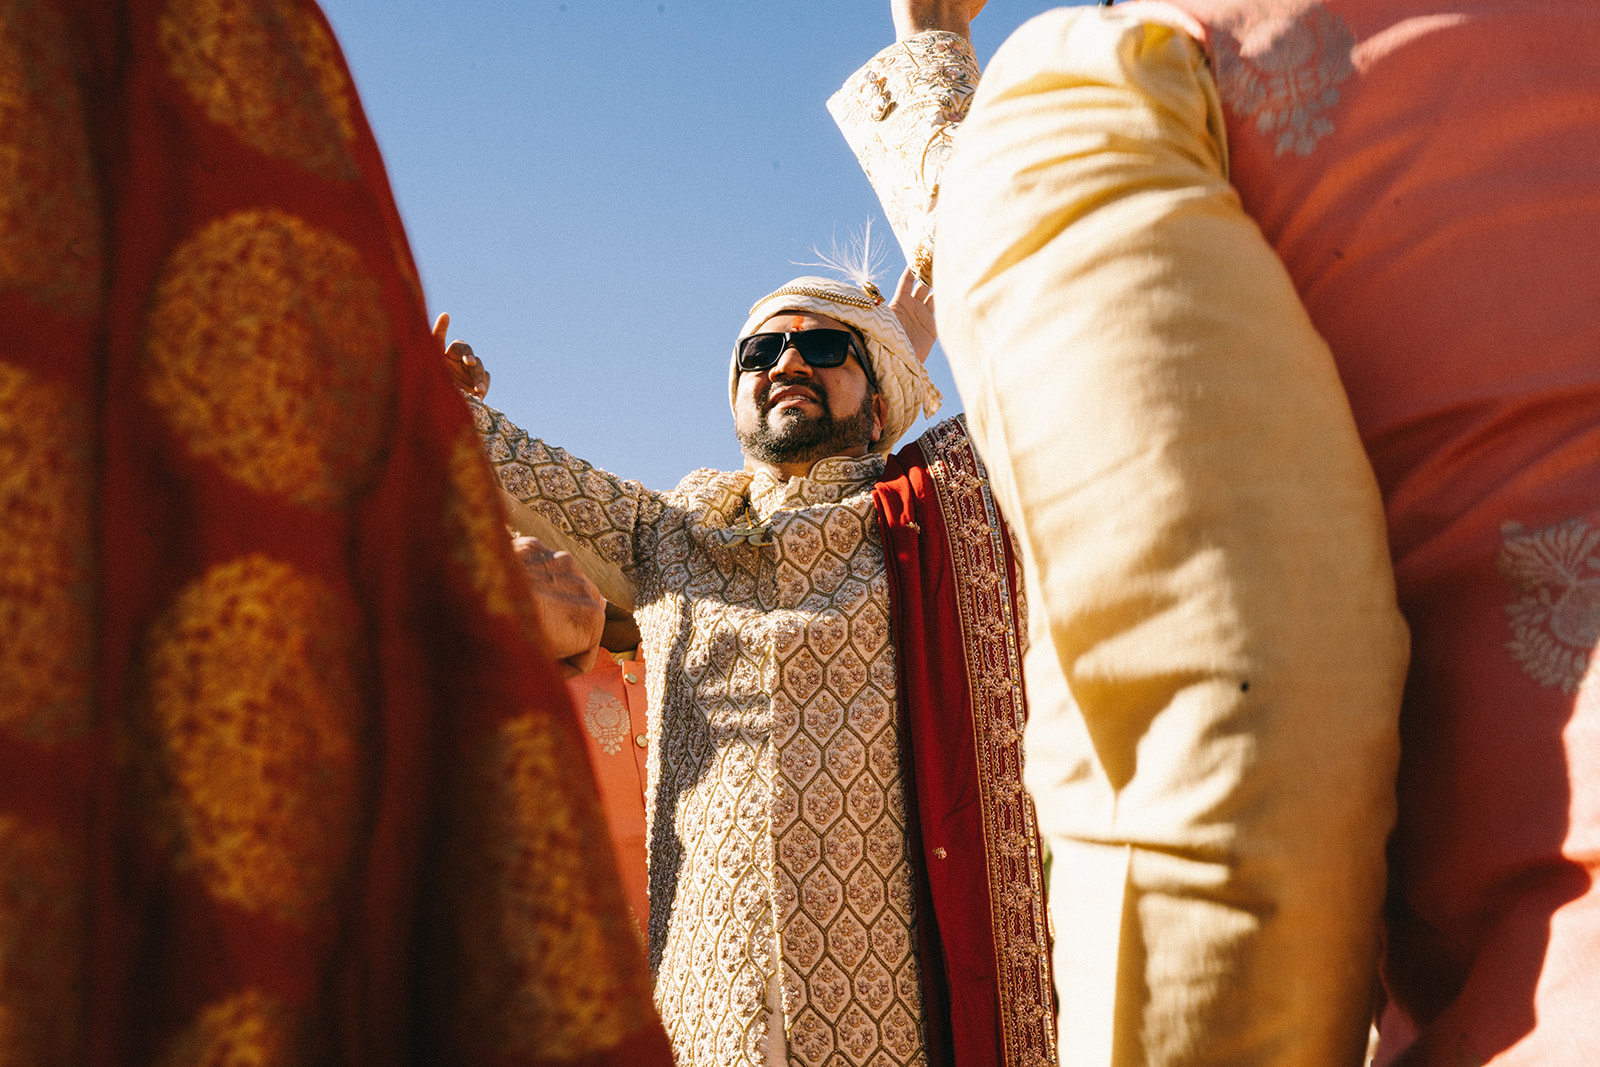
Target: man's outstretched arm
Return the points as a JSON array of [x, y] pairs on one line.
[[1217, 656]]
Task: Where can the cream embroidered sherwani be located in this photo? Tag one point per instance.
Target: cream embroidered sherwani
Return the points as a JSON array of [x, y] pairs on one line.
[[1216, 654], [777, 825]]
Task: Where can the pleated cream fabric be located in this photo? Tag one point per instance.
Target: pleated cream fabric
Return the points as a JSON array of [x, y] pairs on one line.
[[1217, 657]]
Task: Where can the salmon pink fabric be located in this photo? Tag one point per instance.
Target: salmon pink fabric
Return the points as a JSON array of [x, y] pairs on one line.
[[1430, 174]]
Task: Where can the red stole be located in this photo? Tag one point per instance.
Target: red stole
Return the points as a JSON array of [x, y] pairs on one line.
[[981, 927]]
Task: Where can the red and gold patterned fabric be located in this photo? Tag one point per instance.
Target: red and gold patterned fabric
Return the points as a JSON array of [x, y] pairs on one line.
[[982, 934], [280, 779]]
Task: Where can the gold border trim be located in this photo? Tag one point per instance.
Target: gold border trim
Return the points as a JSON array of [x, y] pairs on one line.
[[994, 681], [864, 301]]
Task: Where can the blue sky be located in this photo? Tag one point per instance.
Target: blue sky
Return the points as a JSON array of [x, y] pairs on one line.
[[597, 190]]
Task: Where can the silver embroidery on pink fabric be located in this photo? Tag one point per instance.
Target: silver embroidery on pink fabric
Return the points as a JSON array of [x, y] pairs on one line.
[[1555, 623], [1283, 70]]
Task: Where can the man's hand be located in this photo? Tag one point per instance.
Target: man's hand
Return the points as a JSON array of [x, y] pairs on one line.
[[913, 306], [912, 17], [570, 610], [466, 370]]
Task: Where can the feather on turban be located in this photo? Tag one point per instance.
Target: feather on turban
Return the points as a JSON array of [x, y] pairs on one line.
[[902, 379]]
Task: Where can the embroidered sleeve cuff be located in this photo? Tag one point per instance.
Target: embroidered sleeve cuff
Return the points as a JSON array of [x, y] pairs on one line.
[[898, 114]]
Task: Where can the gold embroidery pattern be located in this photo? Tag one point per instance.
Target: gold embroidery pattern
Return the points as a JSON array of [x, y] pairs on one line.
[[270, 72], [46, 566], [999, 712], [247, 1030], [769, 640], [552, 964], [477, 525], [582, 501], [789, 804], [269, 352], [42, 947], [899, 114], [1555, 622], [250, 741], [50, 228]]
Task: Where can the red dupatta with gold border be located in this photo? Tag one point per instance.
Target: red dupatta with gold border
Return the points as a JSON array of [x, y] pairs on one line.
[[957, 614]]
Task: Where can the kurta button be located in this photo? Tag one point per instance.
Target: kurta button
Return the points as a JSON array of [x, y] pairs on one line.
[[640, 740], [940, 853], [631, 678]]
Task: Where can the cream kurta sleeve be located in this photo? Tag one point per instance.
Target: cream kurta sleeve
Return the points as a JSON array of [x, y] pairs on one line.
[[1217, 656], [570, 504], [898, 113]]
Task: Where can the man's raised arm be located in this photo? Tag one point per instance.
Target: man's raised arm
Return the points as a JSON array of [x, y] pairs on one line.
[[1217, 654], [899, 111]]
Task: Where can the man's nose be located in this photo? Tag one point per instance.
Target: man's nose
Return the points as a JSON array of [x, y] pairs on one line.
[[790, 362]]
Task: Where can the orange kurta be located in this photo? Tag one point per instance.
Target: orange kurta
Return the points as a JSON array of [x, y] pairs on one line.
[[612, 709], [281, 779]]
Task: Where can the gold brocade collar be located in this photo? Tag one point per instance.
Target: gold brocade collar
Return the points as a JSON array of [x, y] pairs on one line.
[[830, 481]]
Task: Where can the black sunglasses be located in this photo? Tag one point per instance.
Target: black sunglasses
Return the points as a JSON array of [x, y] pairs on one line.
[[819, 348]]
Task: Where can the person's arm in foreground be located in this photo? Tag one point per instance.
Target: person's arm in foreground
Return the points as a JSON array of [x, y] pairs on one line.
[[1217, 656]]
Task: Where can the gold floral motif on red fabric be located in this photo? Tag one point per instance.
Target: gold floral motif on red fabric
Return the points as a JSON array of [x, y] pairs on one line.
[[270, 72], [249, 738], [553, 966], [42, 947], [46, 566], [50, 225], [269, 352], [250, 1029], [477, 524]]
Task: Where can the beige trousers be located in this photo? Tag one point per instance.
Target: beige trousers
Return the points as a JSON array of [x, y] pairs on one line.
[[1217, 657]]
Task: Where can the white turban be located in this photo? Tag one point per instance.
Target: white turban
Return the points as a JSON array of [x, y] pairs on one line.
[[902, 379]]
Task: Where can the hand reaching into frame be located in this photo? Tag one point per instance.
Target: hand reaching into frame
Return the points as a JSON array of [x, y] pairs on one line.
[[571, 612], [466, 370], [913, 306], [912, 17]]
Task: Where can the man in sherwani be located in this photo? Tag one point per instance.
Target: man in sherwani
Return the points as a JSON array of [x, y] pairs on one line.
[[1149, 224], [844, 868]]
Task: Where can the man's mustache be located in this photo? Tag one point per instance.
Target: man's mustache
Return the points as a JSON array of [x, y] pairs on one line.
[[764, 401]]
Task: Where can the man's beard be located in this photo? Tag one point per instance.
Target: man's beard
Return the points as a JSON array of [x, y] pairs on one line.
[[805, 439]]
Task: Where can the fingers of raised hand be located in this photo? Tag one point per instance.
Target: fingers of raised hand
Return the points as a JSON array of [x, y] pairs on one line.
[[466, 369], [913, 305]]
